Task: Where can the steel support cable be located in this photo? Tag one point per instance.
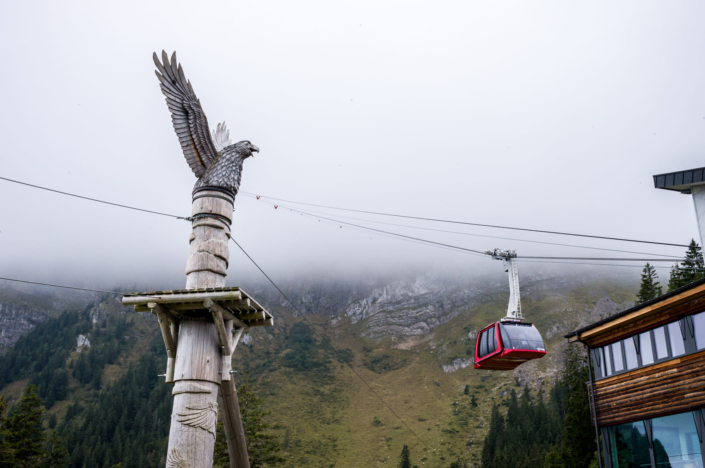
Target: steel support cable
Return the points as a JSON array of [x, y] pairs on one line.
[[386, 234], [605, 264], [676, 259], [90, 199], [326, 341], [360, 211], [520, 257], [473, 224], [337, 221], [483, 235], [60, 286]]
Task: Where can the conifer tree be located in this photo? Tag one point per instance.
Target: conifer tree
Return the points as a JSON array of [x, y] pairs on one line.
[[691, 269], [23, 430], [473, 401], [6, 454], [404, 461], [56, 455], [674, 280], [578, 434], [650, 288], [262, 447]]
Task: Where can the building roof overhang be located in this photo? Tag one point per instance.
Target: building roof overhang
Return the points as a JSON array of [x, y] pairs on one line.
[[650, 312], [681, 181]]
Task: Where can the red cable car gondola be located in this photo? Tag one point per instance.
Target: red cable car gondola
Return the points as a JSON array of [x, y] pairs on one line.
[[507, 344]]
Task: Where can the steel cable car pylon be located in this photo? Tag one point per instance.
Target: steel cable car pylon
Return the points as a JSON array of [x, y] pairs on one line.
[[506, 344], [510, 266]]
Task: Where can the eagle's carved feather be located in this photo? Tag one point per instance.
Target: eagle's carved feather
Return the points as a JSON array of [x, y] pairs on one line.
[[175, 459], [213, 158], [201, 416]]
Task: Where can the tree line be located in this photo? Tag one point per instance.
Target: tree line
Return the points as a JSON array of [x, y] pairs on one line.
[[545, 431], [691, 269]]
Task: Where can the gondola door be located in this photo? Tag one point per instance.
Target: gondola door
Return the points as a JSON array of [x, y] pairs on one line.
[[489, 344]]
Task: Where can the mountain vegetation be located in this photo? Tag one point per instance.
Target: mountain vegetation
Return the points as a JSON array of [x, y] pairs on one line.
[[691, 269], [302, 401], [22, 440], [553, 431], [262, 447], [650, 288]]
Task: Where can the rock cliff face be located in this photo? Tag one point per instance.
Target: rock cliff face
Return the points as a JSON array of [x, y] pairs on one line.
[[17, 320], [23, 308], [412, 307]]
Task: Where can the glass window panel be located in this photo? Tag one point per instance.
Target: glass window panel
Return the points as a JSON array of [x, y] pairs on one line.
[[660, 341], [630, 354], [676, 442], [597, 363], [607, 361], [699, 324], [505, 337], [490, 341], [645, 349], [524, 336], [617, 356], [483, 345], [629, 446], [676, 338]]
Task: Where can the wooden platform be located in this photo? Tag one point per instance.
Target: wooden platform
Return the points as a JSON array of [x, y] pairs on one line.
[[234, 303]]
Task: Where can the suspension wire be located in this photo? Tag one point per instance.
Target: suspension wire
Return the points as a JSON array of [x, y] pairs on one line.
[[607, 259], [473, 224], [477, 251], [482, 235], [91, 199], [384, 232], [323, 340], [610, 264], [60, 286], [376, 213]]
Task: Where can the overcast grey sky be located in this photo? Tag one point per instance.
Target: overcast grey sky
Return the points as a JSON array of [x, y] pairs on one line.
[[548, 115]]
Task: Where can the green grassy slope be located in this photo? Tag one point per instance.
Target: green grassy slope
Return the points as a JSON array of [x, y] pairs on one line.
[[325, 415]]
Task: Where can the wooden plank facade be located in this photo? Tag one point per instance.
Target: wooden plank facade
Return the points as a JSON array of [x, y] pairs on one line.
[[669, 387]]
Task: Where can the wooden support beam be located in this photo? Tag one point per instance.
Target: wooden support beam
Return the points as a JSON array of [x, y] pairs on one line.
[[222, 335], [178, 298], [209, 304], [170, 339], [262, 323], [170, 316], [232, 423], [252, 316]]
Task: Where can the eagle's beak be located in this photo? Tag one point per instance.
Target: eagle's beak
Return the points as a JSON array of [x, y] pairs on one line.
[[254, 149]]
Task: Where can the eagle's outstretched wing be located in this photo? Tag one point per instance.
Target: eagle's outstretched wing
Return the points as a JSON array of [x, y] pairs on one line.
[[221, 137], [190, 122]]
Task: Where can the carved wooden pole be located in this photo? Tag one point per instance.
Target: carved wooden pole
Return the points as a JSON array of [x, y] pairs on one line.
[[199, 357], [198, 365]]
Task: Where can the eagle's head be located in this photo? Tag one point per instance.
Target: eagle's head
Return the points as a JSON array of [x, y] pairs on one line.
[[245, 148]]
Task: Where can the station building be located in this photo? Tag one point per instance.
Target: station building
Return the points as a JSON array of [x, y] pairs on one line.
[[647, 386]]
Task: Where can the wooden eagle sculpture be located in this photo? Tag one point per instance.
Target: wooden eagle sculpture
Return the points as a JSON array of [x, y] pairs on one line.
[[215, 160]]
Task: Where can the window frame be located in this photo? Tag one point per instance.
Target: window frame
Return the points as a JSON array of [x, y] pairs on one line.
[[698, 415], [686, 327]]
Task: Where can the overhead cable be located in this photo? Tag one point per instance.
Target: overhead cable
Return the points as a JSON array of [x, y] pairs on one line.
[[605, 259], [484, 235], [606, 264], [484, 253], [60, 286], [91, 199], [327, 342], [620, 239]]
